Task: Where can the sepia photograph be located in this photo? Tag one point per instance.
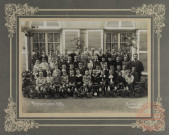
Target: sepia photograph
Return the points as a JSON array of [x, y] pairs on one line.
[[84, 67]]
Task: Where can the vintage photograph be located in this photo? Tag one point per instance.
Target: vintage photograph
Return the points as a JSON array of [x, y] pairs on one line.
[[84, 67]]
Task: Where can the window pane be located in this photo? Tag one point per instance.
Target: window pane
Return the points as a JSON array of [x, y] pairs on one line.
[[108, 37], [41, 37], [56, 37], [50, 47], [114, 37], [36, 45], [57, 47], [123, 37], [35, 37], [42, 47], [108, 46], [143, 41], [143, 59], [50, 37], [114, 46]]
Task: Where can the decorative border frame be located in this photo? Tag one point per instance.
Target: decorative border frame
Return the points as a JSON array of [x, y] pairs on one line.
[[156, 123]]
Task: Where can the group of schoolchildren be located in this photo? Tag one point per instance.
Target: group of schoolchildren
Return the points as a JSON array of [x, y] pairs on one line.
[[79, 74]]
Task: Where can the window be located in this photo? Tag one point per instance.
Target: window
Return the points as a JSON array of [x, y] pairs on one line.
[[46, 42], [142, 49], [116, 40]]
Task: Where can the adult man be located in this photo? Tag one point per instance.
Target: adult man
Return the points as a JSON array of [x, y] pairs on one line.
[[137, 64]]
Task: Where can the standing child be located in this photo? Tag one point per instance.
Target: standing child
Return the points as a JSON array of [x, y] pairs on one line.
[[40, 83], [78, 82], [87, 82], [72, 80]]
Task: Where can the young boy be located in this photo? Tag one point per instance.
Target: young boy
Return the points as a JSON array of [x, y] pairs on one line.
[[40, 82], [118, 69], [120, 81], [110, 62], [76, 62], [95, 61], [103, 62], [72, 80], [64, 80], [86, 82], [112, 83], [124, 71], [135, 74], [129, 80], [50, 82], [71, 69], [43, 56], [78, 82], [95, 82], [118, 62], [81, 68], [98, 70], [103, 81], [64, 68]]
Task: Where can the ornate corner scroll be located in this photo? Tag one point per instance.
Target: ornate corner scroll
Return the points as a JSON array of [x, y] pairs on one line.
[[12, 10], [11, 124], [157, 10], [156, 123]]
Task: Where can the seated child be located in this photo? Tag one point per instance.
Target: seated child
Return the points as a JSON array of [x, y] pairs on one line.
[[86, 82], [105, 69], [104, 81], [72, 80], [98, 70], [64, 81], [120, 81], [118, 69], [111, 82], [96, 83], [81, 68], [50, 82], [52, 65], [129, 80], [71, 69], [79, 79], [90, 69], [95, 61], [135, 74], [124, 71], [110, 62], [126, 62], [40, 82], [63, 69]]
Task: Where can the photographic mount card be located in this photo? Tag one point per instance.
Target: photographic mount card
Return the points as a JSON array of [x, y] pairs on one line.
[[16, 11]]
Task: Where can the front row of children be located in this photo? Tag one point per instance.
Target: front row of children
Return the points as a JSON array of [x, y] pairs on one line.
[[107, 82]]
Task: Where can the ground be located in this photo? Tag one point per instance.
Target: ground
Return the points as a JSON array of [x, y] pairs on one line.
[[82, 105]]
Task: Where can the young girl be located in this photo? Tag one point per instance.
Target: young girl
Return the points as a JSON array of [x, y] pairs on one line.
[[36, 66]]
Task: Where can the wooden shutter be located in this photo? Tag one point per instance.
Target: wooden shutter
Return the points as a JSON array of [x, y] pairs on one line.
[[95, 39]]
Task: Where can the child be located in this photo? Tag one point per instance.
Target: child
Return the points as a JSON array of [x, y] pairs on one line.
[[43, 56], [40, 82], [63, 68], [105, 69], [120, 81], [129, 80], [35, 73], [36, 66], [64, 81], [50, 82], [72, 80], [69, 62], [126, 62], [124, 71], [95, 83], [61, 61], [52, 65], [103, 81], [135, 74], [118, 69], [78, 82], [111, 82], [110, 62], [75, 61], [98, 70], [90, 69], [57, 80], [81, 68], [71, 69], [95, 61], [118, 62], [86, 82], [103, 62], [50, 56], [44, 66]]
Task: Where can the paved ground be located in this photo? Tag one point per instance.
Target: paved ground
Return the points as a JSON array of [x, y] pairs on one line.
[[84, 105]]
